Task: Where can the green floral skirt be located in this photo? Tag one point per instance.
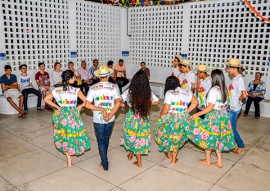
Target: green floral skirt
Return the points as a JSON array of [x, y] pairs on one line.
[[214, 132], [170, 134], [69, 132], [136, 134]]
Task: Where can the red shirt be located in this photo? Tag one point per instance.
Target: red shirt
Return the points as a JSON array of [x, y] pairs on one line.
[[43, 78]]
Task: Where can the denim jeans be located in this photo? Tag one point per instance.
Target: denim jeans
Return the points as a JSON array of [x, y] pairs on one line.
[[27, 91], [233, 118], [103, 133]]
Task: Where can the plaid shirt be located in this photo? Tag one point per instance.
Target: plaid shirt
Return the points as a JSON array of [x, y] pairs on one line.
[[261, 88]]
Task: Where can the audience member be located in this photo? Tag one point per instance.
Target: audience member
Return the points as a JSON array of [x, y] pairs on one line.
[[56, 75], [85, 77], [145, 69], [92, 70], [120, 75]]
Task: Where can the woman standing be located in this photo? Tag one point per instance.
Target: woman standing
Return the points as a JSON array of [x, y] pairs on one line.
[[136, 132], [214, 132], [70, 137], [170, 134]]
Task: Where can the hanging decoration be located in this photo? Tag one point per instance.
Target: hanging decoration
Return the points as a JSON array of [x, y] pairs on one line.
[[256, 12]]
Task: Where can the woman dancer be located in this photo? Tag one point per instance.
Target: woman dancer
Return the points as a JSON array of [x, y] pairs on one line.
[[215, 131], [69, 133], [136, 132], [170, 134]]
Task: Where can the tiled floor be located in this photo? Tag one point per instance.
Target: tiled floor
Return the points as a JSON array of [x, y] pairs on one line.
[[29, 160]]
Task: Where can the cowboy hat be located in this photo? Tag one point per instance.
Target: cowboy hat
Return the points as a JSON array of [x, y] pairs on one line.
[[180, 58], [186, 63], [103, 71], [234, 62], [202, 68]]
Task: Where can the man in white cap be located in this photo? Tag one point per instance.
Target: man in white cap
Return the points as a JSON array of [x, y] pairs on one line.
[[236, 93], [203, 86], [106, 95], [189, 80]]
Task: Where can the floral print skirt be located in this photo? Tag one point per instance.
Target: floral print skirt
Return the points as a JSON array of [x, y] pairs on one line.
[[170, 135], [136, 134], [69, 132], [214, 132]]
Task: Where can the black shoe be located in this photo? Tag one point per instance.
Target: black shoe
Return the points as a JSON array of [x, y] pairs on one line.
[[257, 117], [39, 109], [245, 115]]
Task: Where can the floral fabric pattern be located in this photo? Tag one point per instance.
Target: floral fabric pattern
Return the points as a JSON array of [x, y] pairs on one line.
[[69, 132], [136, 134], [214, 132], [170, 135]]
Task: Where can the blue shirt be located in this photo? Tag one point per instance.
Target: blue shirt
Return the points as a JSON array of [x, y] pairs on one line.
[[92, 70], [6, 81], [259, 89]]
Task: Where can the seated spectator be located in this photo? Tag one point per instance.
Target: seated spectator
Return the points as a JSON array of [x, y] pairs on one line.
[[43, 80], [85, 77], [120, 75], [10, 90], [93, 77], [56, 75], [256, 91], [111, 78], [145, 69], [26, 87], [78, 81]]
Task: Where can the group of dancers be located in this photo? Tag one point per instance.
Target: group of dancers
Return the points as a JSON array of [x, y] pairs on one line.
[[212, 127]]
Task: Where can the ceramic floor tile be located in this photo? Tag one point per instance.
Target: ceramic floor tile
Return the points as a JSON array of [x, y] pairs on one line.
[[161, 178], [13, 146], [188, 164], [29, 166], [120, 169], [68, 179], [245, 177], [5, 185]]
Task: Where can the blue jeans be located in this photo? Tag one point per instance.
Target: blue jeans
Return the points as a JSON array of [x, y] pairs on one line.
[[103, 133], [27, 91], [233, 118]]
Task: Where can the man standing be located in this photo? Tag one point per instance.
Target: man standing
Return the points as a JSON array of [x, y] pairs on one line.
[[85, 77], [26, 87], [92, 70], [9, 87], [120, 74], [106, 95], [236, 93], [189, 80]]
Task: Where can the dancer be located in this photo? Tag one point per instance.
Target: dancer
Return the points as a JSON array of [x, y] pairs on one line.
[[106, 95], [214, 132], [189, 80], [203, 86], [69, 133], [136, 132], [170, 134], [176, 64], [237, 92]]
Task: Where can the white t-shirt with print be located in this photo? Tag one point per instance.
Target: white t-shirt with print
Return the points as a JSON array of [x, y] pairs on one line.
[[24, 82], [178, 74], [189, 78], [125, 97], [66, 98], [214, 97], [178, 100], [203, 90], [234, 92], [103, 94]]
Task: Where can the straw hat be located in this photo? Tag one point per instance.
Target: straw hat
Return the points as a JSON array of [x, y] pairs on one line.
[[103, 71], [186, 63], [180, 58], [202, 68], [234, 62]]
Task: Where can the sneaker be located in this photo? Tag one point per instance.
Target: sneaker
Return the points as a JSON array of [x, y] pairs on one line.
[[39, 109], [26, 112]]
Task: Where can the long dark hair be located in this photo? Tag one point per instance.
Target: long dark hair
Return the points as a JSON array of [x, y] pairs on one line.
[[171, 83], [218, 79], [140, 94], [66, 76]]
